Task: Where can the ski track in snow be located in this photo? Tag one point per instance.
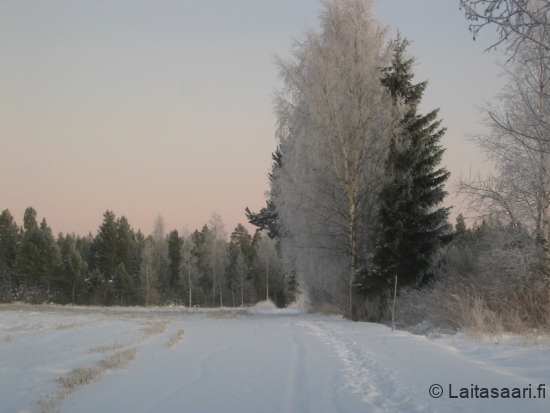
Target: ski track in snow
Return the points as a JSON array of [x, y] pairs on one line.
[[378, 386]]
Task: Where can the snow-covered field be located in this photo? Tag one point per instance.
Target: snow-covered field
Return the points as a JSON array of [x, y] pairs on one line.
[[139, 360]]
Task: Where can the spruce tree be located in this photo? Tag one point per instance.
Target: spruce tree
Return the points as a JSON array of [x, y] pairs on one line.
[[106, 246], [413, 227], [267, 218]]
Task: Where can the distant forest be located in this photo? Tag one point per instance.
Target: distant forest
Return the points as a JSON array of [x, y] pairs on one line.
[[119, 266]]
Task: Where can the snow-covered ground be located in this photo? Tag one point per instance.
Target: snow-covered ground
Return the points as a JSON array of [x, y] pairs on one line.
[[253, 361]]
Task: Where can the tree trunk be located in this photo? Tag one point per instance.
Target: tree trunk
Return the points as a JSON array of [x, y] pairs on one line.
[[353, 256], [73, 295], [242, 292], [214, 292], [189, 278], [35, 291], [543, 147], [148, 288], [267, 277]]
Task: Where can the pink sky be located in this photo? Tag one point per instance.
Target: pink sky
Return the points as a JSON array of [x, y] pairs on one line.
[[148, 108]]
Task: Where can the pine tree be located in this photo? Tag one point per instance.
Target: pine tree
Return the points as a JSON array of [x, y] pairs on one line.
[[9, 239], [413, 227], [38, 255], [174, 255]]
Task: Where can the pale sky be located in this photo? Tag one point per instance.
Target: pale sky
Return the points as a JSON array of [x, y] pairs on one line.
[[165, 107]]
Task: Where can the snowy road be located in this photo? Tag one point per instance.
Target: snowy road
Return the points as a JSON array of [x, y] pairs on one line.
[[259, 362]]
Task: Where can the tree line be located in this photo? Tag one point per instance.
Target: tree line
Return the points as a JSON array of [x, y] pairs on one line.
[[119, 266]]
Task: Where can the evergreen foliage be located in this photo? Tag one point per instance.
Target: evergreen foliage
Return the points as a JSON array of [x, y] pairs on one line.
[[203, 268], [29, 219], [413, 227], [124, 285], [267, 218], [175, 244], [106, 245], [97, 286], [38, 254], [9, 239], [75, 268]]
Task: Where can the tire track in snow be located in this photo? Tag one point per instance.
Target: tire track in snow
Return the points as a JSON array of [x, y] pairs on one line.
[[295, 400], [378, 386]]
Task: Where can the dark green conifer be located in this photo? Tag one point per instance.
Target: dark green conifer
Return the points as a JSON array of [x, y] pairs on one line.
[[413, 225], [174, 254], [106, 245], [267, 218]]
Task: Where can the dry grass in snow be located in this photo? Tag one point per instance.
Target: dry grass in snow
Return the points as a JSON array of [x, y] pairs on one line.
[[176, 338], [154, 329], [80, 376], [106, 349], [219, 314]]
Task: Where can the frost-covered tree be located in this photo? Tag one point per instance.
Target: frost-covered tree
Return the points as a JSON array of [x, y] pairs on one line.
[[335, 121], [189, 265], [161, 254], [270, 271], [241, 271], [215, 249], [241, 256], [518, 144], [518, 22]]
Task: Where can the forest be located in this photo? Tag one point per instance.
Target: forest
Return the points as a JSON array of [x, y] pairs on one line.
[[356, 221], [119, 266]]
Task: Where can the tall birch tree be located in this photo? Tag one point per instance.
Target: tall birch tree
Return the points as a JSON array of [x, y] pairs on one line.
[[335, 121]]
